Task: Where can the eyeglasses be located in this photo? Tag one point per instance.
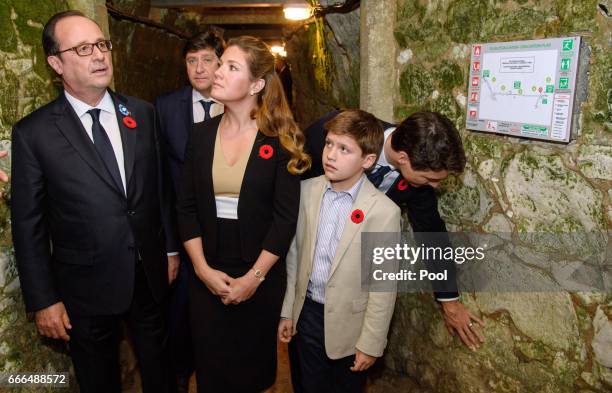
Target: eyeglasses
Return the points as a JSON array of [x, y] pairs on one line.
[[87, 49]]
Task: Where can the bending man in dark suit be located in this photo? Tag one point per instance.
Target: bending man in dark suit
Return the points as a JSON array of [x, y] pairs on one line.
[[91, 217], [417, 155], [177, 112]]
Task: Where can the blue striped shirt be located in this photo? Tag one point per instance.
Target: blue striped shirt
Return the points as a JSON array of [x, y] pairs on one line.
[[393, 174], [335, 211]]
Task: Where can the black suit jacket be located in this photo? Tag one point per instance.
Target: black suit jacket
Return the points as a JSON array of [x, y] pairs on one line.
[[419, 203], [76, 235], [175, 111], [269, 196]]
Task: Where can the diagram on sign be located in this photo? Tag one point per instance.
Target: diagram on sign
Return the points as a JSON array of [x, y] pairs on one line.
[[517, 85], [523, 88]]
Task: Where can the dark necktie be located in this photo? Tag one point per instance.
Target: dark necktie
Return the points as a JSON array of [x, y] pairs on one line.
[[206, 105], [104, 147], [377, 176]]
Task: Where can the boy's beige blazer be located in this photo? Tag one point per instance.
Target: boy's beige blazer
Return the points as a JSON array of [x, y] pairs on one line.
[[353, 319]]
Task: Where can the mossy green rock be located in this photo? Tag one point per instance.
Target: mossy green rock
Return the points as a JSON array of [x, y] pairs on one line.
[[465, 19], [539, 190], [416, 85], [26, 82], [596, 161], [519, 189]]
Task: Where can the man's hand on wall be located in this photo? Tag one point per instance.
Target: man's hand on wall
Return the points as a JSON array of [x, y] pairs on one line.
[[458, 319]]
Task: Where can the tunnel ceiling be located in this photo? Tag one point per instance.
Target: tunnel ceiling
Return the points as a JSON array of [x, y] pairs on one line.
[[219, 3], [237, 17]]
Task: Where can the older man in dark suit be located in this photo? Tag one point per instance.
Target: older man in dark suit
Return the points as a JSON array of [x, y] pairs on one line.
[[91, 215]]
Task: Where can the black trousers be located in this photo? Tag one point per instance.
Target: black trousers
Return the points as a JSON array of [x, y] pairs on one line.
[[180, 346], [94, 344], [294, 366], [319, 373]]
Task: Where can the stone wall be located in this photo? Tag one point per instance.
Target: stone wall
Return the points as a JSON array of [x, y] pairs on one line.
[[148, 61], [536, 342], [26, 85], [324, 62]]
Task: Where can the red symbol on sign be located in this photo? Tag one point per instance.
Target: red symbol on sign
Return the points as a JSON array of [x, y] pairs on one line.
[[473, 113], [474, 96], [540, 89], [476, 66], [475, 81], [476, 50]]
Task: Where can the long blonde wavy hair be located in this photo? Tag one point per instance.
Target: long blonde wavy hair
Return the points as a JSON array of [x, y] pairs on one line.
[[272, 114]]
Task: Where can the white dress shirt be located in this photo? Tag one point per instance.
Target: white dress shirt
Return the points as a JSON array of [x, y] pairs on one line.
[[108, 119], [392, 175], [198, 111]]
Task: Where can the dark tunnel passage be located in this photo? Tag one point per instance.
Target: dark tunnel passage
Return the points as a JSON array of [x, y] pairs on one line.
[[319, 54]]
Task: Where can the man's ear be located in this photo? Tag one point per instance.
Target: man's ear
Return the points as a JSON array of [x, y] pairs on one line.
[[402, 157], [368, 161], [56, 64], [257, 86]]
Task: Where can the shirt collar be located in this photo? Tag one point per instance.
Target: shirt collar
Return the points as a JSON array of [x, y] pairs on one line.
[[353, 191], [382, 160], [81, 108], [196, 97]]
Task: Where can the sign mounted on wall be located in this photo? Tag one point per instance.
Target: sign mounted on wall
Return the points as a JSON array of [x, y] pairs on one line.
[[524, 88]]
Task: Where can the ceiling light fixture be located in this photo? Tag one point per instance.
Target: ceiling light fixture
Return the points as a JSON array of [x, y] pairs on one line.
[[297, 11], [279, 50]]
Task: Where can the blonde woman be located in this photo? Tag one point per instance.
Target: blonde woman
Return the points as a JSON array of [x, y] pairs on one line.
[[238, 210]]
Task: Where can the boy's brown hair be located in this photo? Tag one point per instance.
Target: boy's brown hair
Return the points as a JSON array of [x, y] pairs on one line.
[[362, 126]]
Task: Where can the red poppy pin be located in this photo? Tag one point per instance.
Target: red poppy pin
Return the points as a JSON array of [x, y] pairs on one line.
[[357, 216], [129, 122], [266, 151], [402, 185]]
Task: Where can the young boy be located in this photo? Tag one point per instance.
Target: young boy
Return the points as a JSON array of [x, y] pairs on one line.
[[339, 329]]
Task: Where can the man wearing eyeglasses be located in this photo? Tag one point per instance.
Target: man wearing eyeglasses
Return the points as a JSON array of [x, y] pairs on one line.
[[91, 214]]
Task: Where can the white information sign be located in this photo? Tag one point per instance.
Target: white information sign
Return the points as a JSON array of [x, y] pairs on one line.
[[523, 88]]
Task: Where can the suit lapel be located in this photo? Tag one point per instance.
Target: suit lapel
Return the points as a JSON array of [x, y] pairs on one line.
[[128, 137], [398, 195], [365, 200], [71, 127], [207, 155], [253, 162], [188, 107]]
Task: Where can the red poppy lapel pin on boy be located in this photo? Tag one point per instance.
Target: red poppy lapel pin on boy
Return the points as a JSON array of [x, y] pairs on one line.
[[402, 184], [128, 121], [357, 216]]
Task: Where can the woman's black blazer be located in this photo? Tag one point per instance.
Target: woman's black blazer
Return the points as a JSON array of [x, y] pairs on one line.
[[269, 195]]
